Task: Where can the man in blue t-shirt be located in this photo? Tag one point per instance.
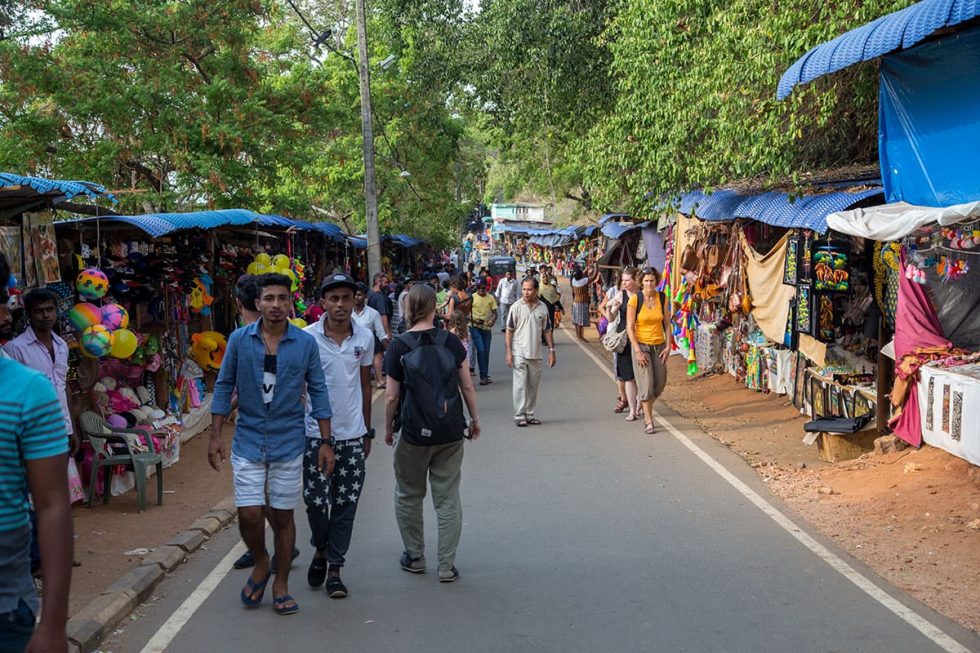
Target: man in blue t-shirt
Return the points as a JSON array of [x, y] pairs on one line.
[[33, 446]]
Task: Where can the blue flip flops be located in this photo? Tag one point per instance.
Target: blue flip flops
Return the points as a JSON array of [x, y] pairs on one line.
[[251, 587], [279, 604]]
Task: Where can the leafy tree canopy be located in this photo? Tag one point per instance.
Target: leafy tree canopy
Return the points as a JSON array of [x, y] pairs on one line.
[[221, 103]]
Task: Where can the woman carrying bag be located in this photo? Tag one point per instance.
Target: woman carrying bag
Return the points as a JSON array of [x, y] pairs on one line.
[[616, 312], [648, 326]]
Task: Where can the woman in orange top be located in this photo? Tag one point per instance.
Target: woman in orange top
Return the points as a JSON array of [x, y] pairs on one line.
[[649, 331]]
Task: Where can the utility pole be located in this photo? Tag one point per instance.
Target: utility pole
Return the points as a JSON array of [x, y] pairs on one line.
[[367, 133]]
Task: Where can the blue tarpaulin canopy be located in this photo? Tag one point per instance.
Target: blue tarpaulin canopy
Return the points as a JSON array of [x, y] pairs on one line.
[[775, 208], [929, 122], [896, 31], [46, 187], [617, 230], [161, 224]]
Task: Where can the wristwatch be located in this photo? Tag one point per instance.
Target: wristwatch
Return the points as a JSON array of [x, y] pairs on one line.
[[328, 441], [370, 433]]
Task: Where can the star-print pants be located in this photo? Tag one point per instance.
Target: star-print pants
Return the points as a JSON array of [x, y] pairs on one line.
[[331, 501]]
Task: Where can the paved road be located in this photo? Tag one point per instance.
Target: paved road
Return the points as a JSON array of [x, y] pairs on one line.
[[582, 534]]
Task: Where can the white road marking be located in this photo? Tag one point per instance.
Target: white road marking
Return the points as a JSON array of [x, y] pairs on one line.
[[172, 626], [169, 630], [912, 618]]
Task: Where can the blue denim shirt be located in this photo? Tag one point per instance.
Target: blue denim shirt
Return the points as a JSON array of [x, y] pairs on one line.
[[276, 432]]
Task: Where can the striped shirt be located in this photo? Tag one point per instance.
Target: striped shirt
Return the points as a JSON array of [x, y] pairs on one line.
[[31, 427]]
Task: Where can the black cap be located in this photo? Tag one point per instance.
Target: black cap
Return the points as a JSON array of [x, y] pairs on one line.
[[340, 280]]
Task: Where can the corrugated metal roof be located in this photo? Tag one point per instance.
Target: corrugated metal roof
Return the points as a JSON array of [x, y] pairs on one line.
[[896, 31], [64, 187]]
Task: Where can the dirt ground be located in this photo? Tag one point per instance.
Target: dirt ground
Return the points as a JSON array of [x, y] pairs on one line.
[[105, 533], [912, 516]]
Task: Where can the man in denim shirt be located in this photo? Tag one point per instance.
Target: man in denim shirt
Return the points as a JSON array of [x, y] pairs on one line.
[[271, 363]]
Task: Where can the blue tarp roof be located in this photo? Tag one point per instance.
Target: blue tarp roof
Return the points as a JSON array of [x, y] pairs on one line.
[[360, 241], [161, 224], [896, 31], [608, 217], [64, 187], [774, 208], [620, 229]]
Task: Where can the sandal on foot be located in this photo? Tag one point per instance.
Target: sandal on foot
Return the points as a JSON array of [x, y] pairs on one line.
[[620, 406], [533, 421], [521, 422], [281, 605], [649, 430], [251, 587], [336, 588], [632, 418]]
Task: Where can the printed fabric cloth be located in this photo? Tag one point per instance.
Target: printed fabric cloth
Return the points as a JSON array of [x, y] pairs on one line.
[[771, 298], [709, 347], [919, 339]]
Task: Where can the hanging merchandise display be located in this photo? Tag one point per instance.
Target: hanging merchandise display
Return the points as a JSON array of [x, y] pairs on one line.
[[208, 350], [92, 283], [791, 270], [830, 267]]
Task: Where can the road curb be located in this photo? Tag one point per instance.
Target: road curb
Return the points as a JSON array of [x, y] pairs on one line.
[[90, 626]]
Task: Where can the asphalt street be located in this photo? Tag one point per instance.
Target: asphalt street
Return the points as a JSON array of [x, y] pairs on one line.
[[582, 534]]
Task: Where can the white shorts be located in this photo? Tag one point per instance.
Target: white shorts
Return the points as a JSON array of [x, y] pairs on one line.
[[281, 482]]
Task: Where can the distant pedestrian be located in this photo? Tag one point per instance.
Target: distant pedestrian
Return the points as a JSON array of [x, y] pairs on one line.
[[427, 386], [370, 319], [507, 290], [482, 319], [346, 351], [580, 303], [270, 363], [32, 435], [527, 325], [458, 325], [648, 325]]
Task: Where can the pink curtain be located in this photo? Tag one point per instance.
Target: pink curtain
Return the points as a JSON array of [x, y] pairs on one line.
[[916, 328]]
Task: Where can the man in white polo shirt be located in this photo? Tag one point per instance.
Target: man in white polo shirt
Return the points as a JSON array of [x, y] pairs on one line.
[[346, 353]]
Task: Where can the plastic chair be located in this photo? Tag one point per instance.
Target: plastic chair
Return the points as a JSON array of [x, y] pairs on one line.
[[106, 438]]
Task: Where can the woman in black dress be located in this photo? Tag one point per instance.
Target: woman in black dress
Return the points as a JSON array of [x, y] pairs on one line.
[[623, 362]]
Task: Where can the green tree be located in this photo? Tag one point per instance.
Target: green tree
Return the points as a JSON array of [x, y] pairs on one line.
[[695, 87], [221, 103]]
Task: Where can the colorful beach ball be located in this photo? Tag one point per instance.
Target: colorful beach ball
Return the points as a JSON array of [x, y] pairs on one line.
[[92, 283], [114, 317], [96, 340], [83, 315]]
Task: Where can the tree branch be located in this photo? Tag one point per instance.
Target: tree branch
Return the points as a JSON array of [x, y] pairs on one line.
[[196, 62]]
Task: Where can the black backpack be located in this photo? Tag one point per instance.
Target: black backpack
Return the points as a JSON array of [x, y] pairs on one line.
[[431, 406]]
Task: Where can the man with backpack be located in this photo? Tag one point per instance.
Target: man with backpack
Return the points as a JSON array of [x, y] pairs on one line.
[[427, 385]]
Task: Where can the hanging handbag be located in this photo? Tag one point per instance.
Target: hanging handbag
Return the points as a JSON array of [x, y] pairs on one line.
[[615, 341]]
